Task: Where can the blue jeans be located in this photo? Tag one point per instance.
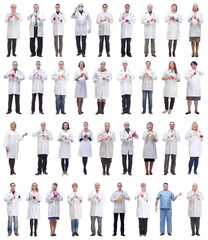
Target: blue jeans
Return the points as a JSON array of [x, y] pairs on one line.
[[166, 214], [64, 164], [15, 220], [74, 225], [195, 161], [144, 100], [60, 103]]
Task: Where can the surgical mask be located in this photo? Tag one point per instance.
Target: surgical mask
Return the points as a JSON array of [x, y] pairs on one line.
[[80, 9]]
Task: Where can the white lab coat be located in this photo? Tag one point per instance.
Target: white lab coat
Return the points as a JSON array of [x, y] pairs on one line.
[[149, 150], [171, 85], [75, 205], [85, 149], [53, 204], [12, 203], [193, 83], [65, 143], [82, 22], [195, 142], [195, 25], [43, 138], [143, 204], [171, 139], [40, 21], [14, 82], [102, 86], [13, 27], [58, 23], [126, 24], [33, 211], [173, 25], [38, 76], [149, 22], [104, 23], [119, 198], [127, 146], [195, 206], [147, 82], [60, 77], [81, 86], [125, 78], [97, 200]]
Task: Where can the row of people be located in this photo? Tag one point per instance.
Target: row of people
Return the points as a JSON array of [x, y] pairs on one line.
[[106, 138], [102, 76], [104, 20]]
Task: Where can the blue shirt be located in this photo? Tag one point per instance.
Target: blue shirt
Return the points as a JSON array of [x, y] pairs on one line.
[[165, 199]]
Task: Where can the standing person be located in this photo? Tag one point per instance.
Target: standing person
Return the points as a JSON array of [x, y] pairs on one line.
[[127, 137], [43, 138], [125, 76], [126, 19], [53, 199], [118, 198], [15, 77], [12, 198], [97, 199], [104, 20], [83, 26], [58, 20], [11, 143], [195, 138], [75, 200], [13, 29], [143, 209], [60, 88], [85, 149], [38, 76], [33, 212], [193, 90], [80, 76], [65, 138], [147, 76], [149, 19], [173, 19], [101, 78], [36, 31], [171, 139], [171, 78], [106, 138], [195, 19], [195, 198]]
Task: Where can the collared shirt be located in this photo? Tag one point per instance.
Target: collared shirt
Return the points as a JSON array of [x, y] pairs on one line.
[[165, 199]]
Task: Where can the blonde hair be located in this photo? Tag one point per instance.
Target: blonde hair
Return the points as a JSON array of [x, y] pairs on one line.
[[37, 189], [75, 184], [14, 124], [194, 123], [13, 6], [197, 7]]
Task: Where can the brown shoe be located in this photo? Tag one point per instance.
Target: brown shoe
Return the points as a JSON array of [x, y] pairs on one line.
[[9, 234], [154, 55], [56, 54], [146, 55], [60, 54], [16, 234]]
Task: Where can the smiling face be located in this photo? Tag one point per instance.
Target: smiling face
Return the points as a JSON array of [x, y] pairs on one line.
[[125, 64], [165, 186], [85, 125], [105, 8], [38, 64], [54, 187], [150, 126], [107, 127], [127, 8], [149, 8], [119, 186], [65, 126], [148, 64], [102, 65], [195, 7], [43, 125], [126, 125], [13, 126], [13, 9], [143, 187], [172, 125], [14, 65], [74, 187], [34, 186], [174, 8], [194, 126], [81, 65], [193, 66], [12, 187], [57, 8], [61, 65], [36, 7], [194, 187], [97, 186], [172, 65]]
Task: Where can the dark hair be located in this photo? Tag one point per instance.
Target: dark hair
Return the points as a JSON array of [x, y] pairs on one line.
[[57, 4], [12, 184], [175, 6], [83, 64], [65, 123], [38, 62], [165, 183], [55, 184], [175, 69], [127, 5], [86, 123], [148, 62], [105, 5], [194, 62]]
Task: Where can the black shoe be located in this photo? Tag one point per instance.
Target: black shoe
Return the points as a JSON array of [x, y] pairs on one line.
[[123, 235], [8, 112], [108, 54], [124, 173], [143, 112], [11, 173], [173, 173], [76, 234], [169, 234], [108, 173], [18, 112], [128, 112], [41, 112], [122, 55], [73, 234], [63, 113], [14, 172], [45, 173], [92, 235], [35, 234], [32, 112], [32, 55], [83, 55], [57, 112], [100, 235], [193, 234], [123, 113], [8, 55], [31, 234], [104, 173], [114, 234], [129, 55], [85, 171], [173, 54], [196, 112], [78, 54], [130, 174], [39, 55], [150, 112], [165, 173], [38, 173], [161, 234], [169, 54], [14, 54], [100, 55], [188, 113]]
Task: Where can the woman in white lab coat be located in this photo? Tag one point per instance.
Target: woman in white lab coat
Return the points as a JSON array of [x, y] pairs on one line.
[[80, 76], [195, 19], [195, 198], [193, 90], [101, 78], [143, 209], [195, 138], [13, 29], [11, 143], [173, 19], [33, 212], [171, 78], [149, 151], [75, 200], [65, 138]]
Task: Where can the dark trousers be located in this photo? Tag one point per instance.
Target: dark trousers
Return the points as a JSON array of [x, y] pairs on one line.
[[125, 41], [143, 226], [126, 102], [42, 162], [106, 162], [193, 161], [173, 163], [195, 224], [172, 101], [64, 164], [11, 45], [11, 164], [107, 43], [124, 158], [32, 43], [40, 98], [17, 102], [81, 49], [84, 161], [122, 215]]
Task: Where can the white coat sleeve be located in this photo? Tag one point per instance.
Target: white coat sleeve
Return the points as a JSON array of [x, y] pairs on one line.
[[188, 75], [95, 76], [188, 136], [113, 137], [113, 197], [102, 199], [44, 76], [156, 18], [180, 20], [49, 198], [153, 75], [144, 136], [20, 75], [123, 138], [167, 18], [7, 198], [59, 137], [141, 76], [60, 198], [111, 18], [109, 75], [200, 18], [91, 136], [63, 18], [32, 74], [133, 19], [178, 137], [6, 140], [201, 196], [28, 197], [42, 17], [98, 19], [165, 137], [69, 199], [35, 134], [189, 195], [52, 18], [156, 137], [144, 20], [100, 137], [71, 137], [126, 196], [120, 76], [50, 137], [190, 17], [55, 76], [89, 22], [91, 197], [7, 75], [120, 18]]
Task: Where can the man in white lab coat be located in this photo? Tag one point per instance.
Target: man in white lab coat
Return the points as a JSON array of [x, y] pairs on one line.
[[118, 198], [15, 77], [38, 76], [104, 19], [43, 138], [82, 22], [171, 138], [149, 19], [12, 198], [126, 19], [36, 31]]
